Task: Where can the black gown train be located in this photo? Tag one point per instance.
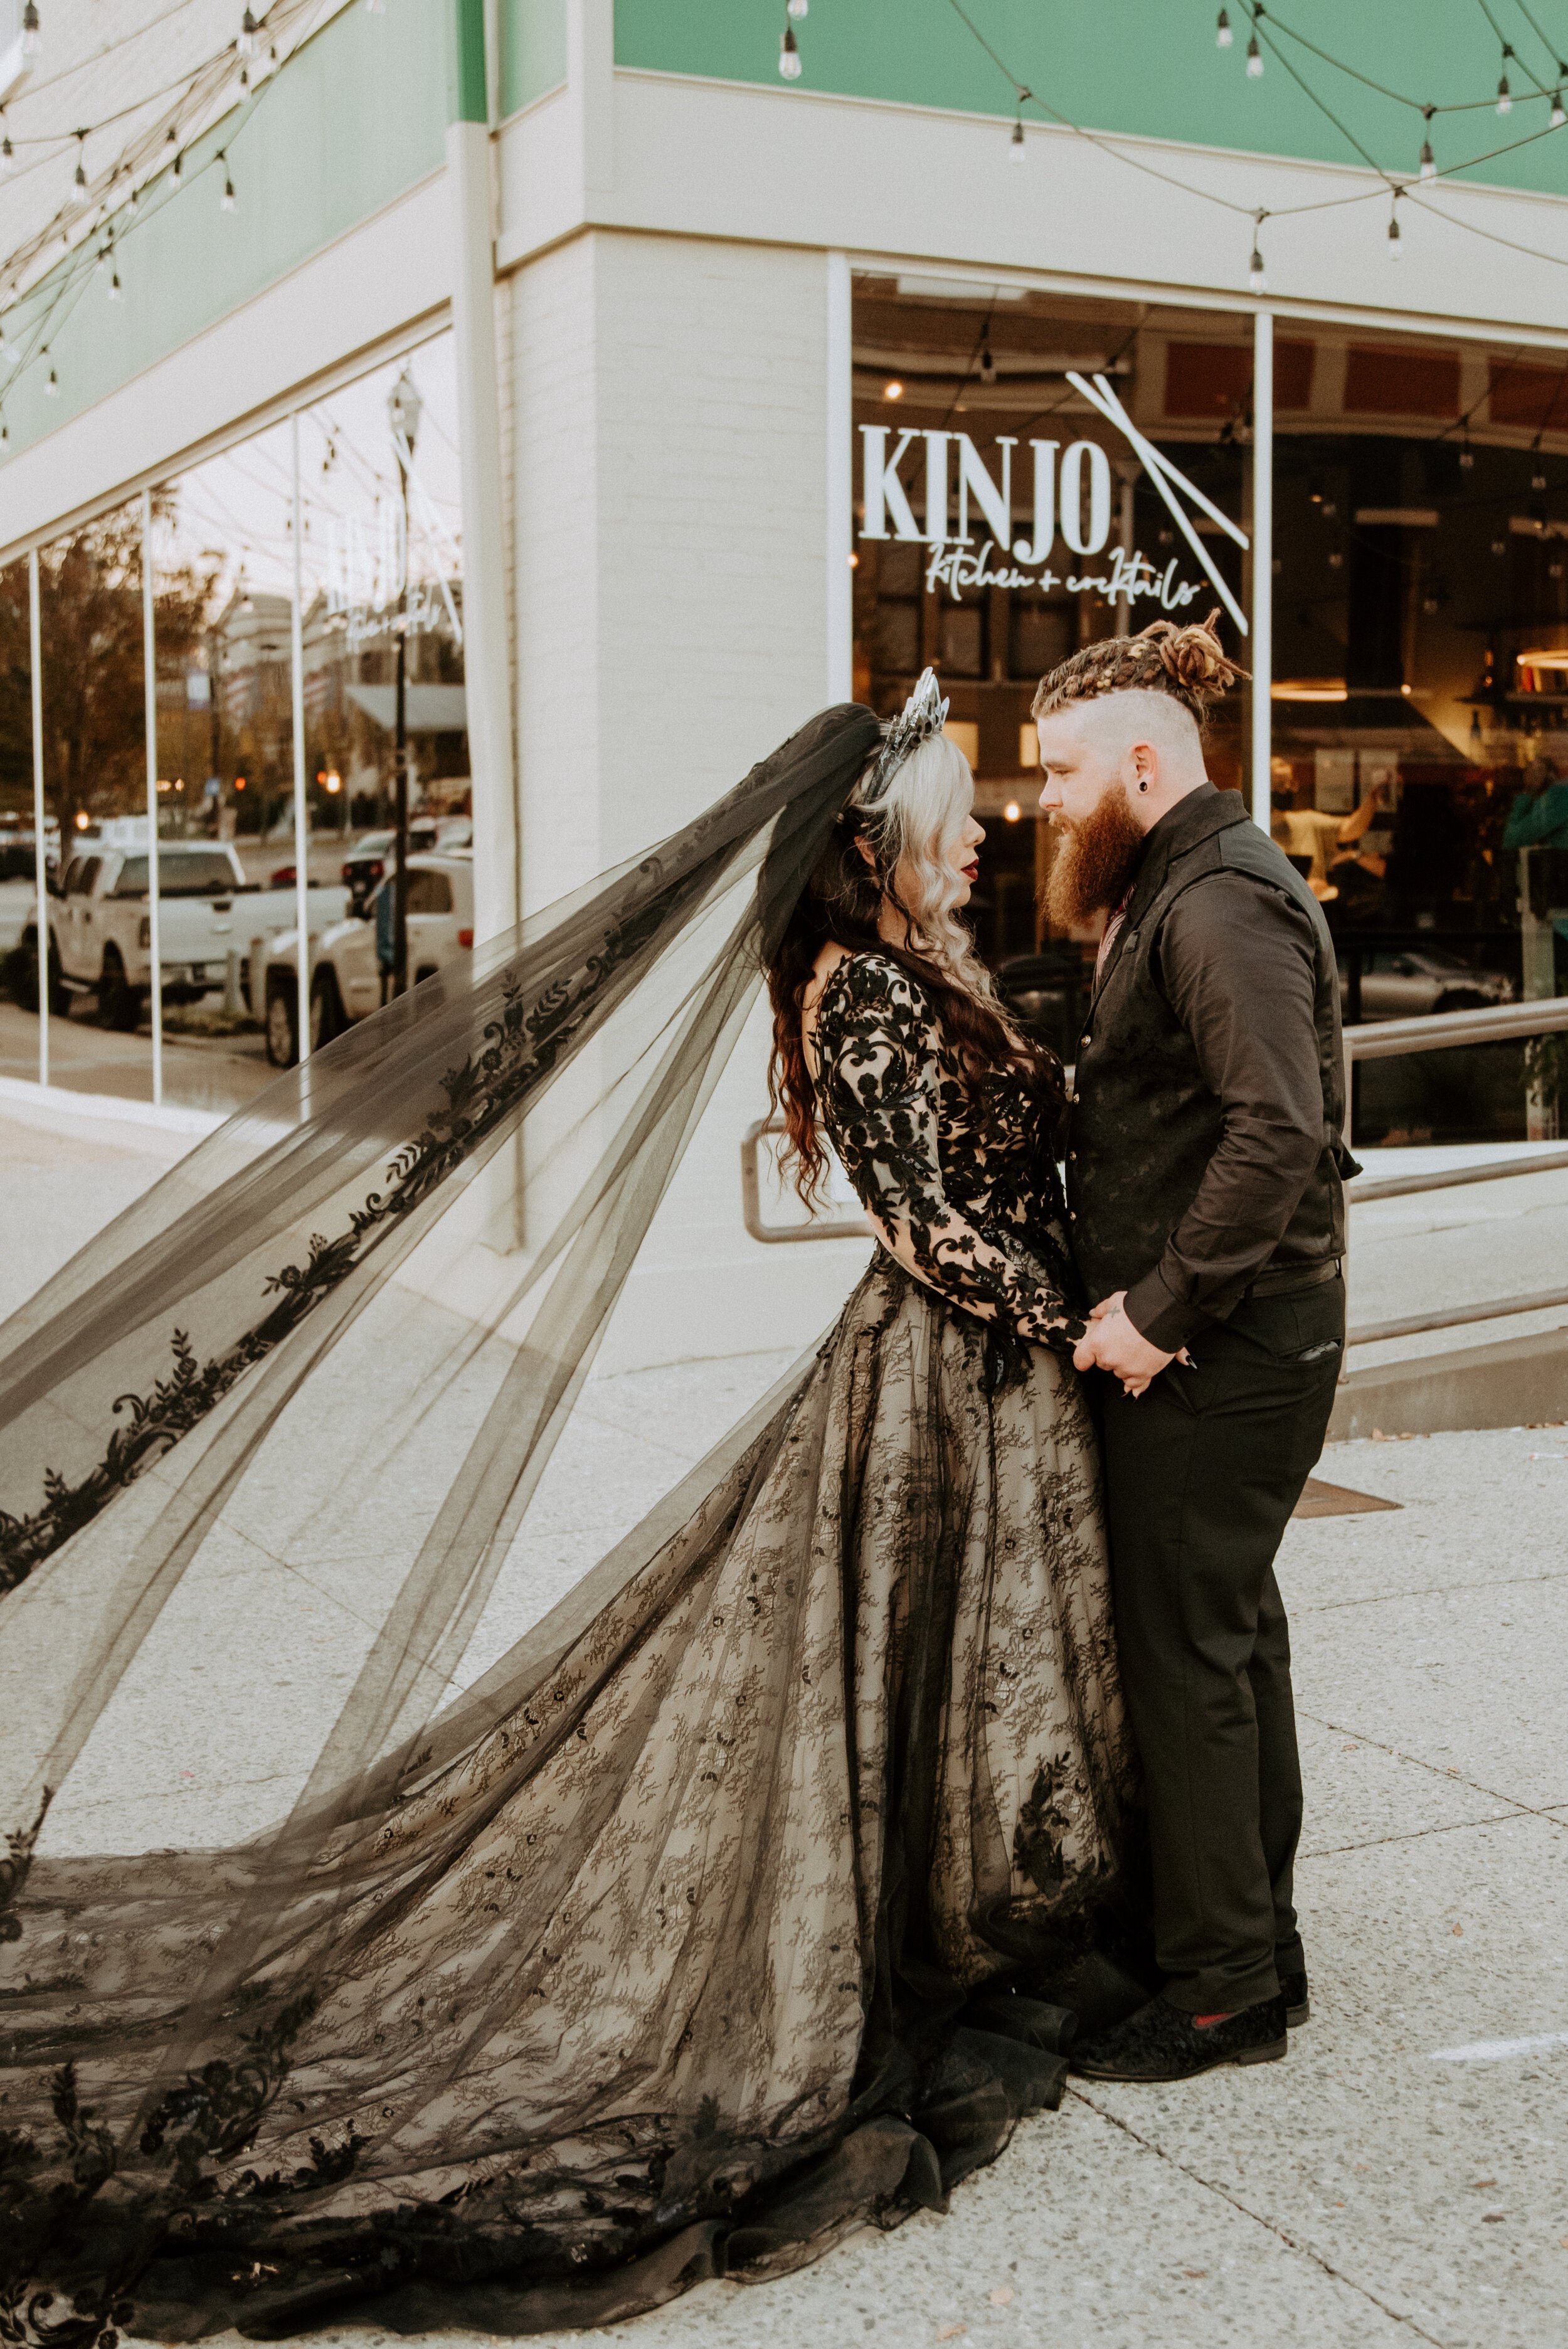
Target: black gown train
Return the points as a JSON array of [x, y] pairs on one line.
[[734, 1908]]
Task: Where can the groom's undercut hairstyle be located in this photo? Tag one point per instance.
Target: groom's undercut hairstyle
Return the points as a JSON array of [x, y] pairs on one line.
[[1189, 665]]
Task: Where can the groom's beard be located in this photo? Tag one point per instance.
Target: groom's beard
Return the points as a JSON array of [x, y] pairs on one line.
[[1094, 862]]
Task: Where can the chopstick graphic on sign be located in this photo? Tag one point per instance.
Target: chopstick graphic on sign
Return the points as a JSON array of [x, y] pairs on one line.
[[1161, 472]]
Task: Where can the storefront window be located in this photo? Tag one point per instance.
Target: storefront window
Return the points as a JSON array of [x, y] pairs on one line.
[[1009, 509], [373, 474], [1419, 734]]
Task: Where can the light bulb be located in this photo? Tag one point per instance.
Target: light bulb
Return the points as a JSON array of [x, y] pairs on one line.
[[5, 432], [1504, 101], [789, 56], [1429, 161], [1256, 279], [1499, 546], [116, 292], [1254, 60], [1224, 36], [179, 166], [7, 158], [1017, 150], [53, 385], [798, 8], [1558, 116], [1538, 479], [1467, 458], [246, 43], [227, 201], [1395, 240], [31, 39], [81, 176], [267, 66]]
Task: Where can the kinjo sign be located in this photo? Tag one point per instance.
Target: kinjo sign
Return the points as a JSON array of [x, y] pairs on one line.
[[1072, 490]]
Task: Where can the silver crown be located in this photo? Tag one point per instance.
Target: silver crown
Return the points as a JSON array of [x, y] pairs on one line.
[[923, 715]]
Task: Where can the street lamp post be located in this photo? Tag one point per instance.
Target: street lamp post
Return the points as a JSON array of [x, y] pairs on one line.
[[403, 408]]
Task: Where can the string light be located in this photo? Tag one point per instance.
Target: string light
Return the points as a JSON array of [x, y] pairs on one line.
[[789, 56], [116, 292], [7, 158], [1257, 280], [81, 175], [53, 386], [246, 43], [1395, 242], [1255, 60], [1558, 116], [1224, 36], [1429, 161], [1504, 95], [1017, 150], [179, 164], [227, 204], [5, 432], [32, 40], [798, 8]]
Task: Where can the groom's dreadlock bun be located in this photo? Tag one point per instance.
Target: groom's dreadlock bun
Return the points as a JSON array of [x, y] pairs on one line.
[[1189, 664]]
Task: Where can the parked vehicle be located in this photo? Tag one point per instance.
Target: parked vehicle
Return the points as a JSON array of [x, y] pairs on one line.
[[372, 859], [1400, 983], [1047, 993], [346, 969], [100, 924]]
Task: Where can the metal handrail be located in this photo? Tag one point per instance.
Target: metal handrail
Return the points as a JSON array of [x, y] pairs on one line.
[[816, 1227], [1413, 1325], [1437, 1031], [1494, 1170]]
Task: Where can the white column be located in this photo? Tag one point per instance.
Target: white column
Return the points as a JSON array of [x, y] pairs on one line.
[[840, 369], [301, 828], [486, 666], [1262, 648], [149, 685], [40, 864]]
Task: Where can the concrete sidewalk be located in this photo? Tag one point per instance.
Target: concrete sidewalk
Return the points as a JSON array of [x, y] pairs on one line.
[[1403, 2176]]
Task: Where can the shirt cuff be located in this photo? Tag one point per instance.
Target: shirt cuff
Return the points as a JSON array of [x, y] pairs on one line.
[[1165, 1319]]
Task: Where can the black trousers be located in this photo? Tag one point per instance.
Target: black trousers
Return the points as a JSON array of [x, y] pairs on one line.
[[1201, 1474]]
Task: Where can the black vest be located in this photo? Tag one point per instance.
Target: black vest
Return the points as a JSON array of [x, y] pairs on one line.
[[1143, 1124]]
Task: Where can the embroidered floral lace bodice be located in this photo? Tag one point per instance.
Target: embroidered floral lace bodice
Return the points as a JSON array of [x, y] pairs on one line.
[[964, 1194]]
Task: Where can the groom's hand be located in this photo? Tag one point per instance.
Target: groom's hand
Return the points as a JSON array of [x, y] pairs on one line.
[[1112, 1343]]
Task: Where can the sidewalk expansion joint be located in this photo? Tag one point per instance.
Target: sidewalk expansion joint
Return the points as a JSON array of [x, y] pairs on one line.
[[1438, 1770], [1271, 2226], [1429, 1590], [1415, 1835]]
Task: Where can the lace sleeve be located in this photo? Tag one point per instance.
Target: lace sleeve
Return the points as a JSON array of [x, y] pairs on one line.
[[879, 1082]]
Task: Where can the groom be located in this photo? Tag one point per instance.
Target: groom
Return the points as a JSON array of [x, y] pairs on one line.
[[1204, 1166]]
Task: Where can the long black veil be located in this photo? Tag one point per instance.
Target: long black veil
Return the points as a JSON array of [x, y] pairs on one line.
[[166, 1403]]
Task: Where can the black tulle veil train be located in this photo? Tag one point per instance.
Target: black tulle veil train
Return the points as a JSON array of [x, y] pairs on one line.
[[344, 2064]]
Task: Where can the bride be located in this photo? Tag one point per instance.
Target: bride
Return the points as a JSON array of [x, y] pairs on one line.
[[756, 1893]]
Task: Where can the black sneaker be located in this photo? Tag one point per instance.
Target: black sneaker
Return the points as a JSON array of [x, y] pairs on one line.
[[1298, 2002], [1160, 2043]]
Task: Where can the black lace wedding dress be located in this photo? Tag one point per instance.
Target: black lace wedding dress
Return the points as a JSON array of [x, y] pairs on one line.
[[738, 1903]]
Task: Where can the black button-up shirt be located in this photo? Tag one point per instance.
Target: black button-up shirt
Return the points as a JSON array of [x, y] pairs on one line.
[[1209, 1098]]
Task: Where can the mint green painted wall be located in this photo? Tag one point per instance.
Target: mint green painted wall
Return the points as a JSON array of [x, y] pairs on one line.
[[354, 117], [1147, 65], [533, 50]]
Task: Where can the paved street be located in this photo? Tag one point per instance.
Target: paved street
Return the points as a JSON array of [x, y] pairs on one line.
[[1405, 2175]]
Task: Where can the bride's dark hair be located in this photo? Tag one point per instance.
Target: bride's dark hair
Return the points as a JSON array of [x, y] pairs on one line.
[[841, 903]]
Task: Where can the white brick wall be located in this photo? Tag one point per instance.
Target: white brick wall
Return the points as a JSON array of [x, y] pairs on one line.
[[670, 522]]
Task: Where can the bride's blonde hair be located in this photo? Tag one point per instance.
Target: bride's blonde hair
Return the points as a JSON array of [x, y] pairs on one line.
[[906, 829], [915, 822]]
